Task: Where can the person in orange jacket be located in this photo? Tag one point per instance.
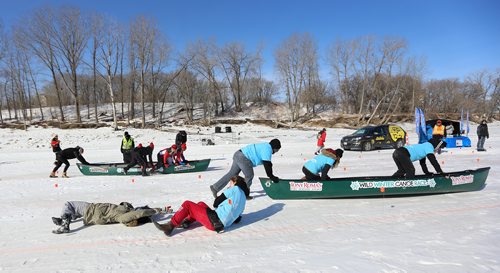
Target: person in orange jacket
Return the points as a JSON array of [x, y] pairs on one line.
[[439, 130]]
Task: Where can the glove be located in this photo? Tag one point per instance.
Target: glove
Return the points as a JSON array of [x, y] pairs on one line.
[[275, 179]]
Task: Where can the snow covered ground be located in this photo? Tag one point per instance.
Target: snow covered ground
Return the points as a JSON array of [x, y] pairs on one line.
[[439, 233]]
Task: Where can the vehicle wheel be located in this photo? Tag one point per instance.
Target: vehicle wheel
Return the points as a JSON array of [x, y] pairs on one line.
[[399, 144], [367, 146]]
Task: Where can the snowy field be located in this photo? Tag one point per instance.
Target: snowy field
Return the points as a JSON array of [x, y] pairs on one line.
[[439, 233]]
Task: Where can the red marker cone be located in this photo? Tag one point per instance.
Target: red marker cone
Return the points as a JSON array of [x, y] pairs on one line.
[[56, 185]]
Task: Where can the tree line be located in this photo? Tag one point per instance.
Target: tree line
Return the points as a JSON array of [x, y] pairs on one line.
[[55, 57]]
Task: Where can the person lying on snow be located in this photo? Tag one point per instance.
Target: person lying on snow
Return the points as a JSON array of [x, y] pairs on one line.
[[228, 209], [318, 167], [140, 157], [404, 157], [63, 156], [104, 213], [165, 157]]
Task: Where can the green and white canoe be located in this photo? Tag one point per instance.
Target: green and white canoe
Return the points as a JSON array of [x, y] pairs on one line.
[[117, 168], [468, 180]]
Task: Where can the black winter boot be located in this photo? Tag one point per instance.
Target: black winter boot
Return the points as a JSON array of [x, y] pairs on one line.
[[166, 228], [64, 227]]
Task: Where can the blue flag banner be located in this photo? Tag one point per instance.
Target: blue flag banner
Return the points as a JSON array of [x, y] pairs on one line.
[[421, 129], [462, 121], [468, 126]]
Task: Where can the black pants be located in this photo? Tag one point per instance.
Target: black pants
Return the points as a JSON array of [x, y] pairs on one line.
[[137, 159], [127, 156], [401, 157], [60, 160], [310, 175]]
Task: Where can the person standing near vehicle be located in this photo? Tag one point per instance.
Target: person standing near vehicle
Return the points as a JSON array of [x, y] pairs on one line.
[[439, 131], [482, 135], [321, 141], [245, 159], [126, 147], [64, 155]]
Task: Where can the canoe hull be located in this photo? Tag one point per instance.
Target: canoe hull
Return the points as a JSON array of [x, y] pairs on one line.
[[469, 180], [118, 168]]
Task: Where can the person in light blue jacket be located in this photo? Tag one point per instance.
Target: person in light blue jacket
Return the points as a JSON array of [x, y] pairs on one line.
[[229, 207], [321, 164], [404, 157], [245, 160]]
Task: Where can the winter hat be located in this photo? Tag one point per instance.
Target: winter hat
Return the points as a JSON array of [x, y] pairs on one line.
[[275, 144], [126, 134], [80, 149], [140, 145], [173, 147], [339, 153], [183, 146], [151, 145]]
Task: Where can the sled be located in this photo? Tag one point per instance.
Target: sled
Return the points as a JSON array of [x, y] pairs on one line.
[[118, 168], [344, 187]]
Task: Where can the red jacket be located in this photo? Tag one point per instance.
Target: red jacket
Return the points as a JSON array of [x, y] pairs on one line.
[[322, 139]]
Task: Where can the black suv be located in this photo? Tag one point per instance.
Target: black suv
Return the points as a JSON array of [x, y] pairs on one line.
[[371, 137]]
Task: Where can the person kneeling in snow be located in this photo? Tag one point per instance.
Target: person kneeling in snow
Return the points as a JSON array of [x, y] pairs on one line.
[[404, 157], [140, 156], [64, 155], [228, 209], [321, 164], [104, 213], [164, 157]]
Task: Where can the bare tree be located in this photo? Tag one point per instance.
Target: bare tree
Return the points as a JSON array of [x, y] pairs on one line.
[[70, 37], [205, 64], [295, 57], [108, 58], [36, 35], [237, 65], [143, 33]]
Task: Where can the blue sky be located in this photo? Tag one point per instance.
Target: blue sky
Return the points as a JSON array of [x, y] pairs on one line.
[[456, 37]]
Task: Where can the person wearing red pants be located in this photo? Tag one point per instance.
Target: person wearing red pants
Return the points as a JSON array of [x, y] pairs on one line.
[[228, 209]]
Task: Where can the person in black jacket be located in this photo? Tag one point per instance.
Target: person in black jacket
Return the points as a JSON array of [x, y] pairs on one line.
[[64, 155], [482, 135], [140, 156]]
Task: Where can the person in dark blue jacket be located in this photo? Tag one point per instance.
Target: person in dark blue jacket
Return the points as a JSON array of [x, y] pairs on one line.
[[229, 207], [321, 164], [404, 157]]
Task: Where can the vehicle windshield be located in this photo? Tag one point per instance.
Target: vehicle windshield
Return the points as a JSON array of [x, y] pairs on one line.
[[362, 131]]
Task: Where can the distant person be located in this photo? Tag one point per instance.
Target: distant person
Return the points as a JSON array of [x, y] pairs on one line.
[[318, 167], [165, 157], [140, 156], [229, 207], [245, 159], [405, 156], [63, 157], [321, 136], [126, 147], [55, 144], [180, 138], [439, 130], [178, 156], [482, 135], [103, 213], [449, 130]]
